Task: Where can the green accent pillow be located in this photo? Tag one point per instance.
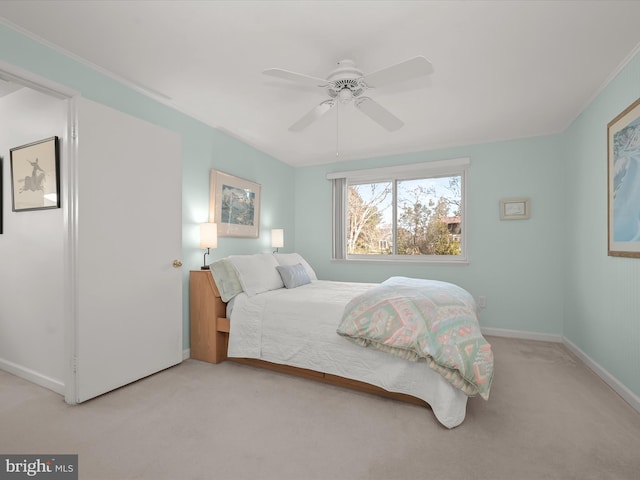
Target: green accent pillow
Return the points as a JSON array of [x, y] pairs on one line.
[[293, 275], [226, 278]]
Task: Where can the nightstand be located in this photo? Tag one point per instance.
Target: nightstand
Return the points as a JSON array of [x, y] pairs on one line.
[[209, 329]]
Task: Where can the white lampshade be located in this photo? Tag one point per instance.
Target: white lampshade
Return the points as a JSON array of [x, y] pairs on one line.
[[208, 235], [277, 238]]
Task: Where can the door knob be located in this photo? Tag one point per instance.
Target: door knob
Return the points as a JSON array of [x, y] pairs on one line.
[[177, 264]]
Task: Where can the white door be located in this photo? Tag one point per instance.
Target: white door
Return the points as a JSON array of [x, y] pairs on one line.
[[125, 232]]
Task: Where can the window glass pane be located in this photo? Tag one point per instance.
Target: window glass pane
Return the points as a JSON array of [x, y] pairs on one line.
[[428, 216], [416, 214], [370, 219]]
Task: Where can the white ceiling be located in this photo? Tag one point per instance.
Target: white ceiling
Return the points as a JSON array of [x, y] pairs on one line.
[[503, 69], [7, 87]]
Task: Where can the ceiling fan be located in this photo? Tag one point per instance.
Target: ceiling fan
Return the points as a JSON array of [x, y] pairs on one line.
[[347, 83]]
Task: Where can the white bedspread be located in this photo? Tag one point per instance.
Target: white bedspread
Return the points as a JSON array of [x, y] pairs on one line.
[[297, 327]]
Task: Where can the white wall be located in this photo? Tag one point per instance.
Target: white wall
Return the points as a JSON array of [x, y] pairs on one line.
[[31, 252]]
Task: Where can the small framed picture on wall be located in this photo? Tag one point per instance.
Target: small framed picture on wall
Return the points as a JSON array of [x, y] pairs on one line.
[[515, 209], [35, 175]]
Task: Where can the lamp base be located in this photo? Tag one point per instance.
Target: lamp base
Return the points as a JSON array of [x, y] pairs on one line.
[[205, 267]]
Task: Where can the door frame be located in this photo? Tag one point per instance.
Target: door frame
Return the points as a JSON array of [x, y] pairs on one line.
[[69, 195], [69, 198]]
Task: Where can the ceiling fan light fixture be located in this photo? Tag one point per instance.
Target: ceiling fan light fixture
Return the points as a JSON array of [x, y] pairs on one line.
[[345, 95]]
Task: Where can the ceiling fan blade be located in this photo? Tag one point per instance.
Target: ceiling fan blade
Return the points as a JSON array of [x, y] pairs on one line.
[[296, 77], [412, 68], [312, 116], [378, 113]]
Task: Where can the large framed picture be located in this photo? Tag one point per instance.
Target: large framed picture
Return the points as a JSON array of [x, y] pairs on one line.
[[234, 205], [623, 158], [35, 175]]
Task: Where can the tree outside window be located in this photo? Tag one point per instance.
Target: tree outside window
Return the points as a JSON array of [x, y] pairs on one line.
[[427, 219]]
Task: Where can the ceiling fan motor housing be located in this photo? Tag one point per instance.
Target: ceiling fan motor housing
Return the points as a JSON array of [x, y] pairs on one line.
[[346, 77]]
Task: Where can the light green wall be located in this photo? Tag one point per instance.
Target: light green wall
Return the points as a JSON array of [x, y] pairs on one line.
[[602, 293], [203, 148], [515, 264], [549, 274]]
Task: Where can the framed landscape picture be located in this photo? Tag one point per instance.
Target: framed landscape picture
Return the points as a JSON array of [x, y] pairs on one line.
[[234, 205], [35, 175], [623, 168]]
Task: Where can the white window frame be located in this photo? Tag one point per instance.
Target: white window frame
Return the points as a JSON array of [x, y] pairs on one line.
[[441, 168]]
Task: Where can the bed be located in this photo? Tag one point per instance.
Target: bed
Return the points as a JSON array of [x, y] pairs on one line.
[[327, 331]]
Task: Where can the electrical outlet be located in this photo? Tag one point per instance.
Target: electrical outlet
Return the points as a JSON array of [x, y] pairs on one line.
[[481, 301]]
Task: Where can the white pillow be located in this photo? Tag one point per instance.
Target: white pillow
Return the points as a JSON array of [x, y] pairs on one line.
[[257, 273], [293, 259]]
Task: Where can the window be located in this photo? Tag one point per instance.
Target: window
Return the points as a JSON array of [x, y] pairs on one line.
[[406, 213]]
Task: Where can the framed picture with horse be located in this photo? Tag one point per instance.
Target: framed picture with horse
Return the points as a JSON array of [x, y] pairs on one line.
[[35, 175]]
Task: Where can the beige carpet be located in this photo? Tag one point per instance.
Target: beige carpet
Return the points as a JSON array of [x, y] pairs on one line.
[[549, 417]]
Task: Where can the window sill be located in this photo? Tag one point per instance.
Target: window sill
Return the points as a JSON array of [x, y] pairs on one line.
[[400, 261]]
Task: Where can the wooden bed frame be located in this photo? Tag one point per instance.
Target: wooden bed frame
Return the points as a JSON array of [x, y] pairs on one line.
[[210, 338]]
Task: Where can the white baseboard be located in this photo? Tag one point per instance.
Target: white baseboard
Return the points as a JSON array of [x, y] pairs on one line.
[[627, 395], [44, 381], [32, 376], [503, 332]]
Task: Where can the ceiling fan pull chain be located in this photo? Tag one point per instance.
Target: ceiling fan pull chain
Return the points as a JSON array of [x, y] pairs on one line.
[[337, 129]]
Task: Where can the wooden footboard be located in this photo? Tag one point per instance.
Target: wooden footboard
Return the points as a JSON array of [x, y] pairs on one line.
[[210, 338]]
